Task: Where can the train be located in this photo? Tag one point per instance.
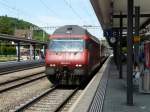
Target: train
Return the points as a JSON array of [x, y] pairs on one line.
[[72, 55]]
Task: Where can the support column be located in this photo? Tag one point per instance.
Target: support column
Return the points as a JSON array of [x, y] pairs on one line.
[[137, 22], [130, 53], [31, 52], [18, 54], [44, 50], [34, 52], [120, 47], [118, 50]]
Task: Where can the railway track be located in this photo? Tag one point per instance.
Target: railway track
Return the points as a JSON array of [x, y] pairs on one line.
[[14, 97], [52, 100], [8, 85], [69, 104], [19, 69]]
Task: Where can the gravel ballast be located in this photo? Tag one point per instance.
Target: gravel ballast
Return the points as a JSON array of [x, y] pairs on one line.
[[12, 98]]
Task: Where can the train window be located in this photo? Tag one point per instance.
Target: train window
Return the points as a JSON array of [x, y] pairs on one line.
[[66, 45], [88, 45]]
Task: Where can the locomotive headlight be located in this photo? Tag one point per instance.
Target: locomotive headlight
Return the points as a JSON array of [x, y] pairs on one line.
[[52, 65], [78, 65]]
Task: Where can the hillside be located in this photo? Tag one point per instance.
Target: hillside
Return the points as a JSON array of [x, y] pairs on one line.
[[9, 24]]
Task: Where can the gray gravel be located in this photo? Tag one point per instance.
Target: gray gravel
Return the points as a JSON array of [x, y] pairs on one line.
[[50, 102], [12, 98], [15, 75], [71, 102], [8, 85]]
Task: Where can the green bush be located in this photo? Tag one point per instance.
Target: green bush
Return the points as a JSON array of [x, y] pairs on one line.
[[7, 50]]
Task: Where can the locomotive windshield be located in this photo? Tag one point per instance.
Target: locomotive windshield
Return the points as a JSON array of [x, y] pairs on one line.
[[66, 45]]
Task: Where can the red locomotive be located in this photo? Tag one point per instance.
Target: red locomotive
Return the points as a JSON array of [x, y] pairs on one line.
[[72, 54]]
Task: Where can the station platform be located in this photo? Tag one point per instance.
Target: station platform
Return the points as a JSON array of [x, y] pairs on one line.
[[115, 97], [22, 62], [107, 93], [7, 66]]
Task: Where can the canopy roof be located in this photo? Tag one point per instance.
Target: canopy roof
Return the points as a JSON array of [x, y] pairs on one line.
[[108, 12]]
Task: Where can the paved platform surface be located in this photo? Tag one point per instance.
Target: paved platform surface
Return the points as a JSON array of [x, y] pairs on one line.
[[115, 98], [9, 66], [22, 62]]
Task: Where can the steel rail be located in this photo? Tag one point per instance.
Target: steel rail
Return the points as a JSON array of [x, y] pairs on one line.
[[19, 69], [21, 84], [20, 78], [30, 102], [66, 100]]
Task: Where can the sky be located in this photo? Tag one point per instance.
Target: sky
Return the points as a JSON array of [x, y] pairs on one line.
[[51, 13]]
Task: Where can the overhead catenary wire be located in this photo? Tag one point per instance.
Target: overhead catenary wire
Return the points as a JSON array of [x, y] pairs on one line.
[[55, 27], [88, 27], [74, 11], [17, 10], [91, 12], [49, 10], [7, 6], [84, 8]]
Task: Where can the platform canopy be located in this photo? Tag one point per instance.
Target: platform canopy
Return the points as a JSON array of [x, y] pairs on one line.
[[108, 12]]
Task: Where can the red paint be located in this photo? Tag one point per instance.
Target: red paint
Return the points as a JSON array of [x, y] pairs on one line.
[[69, 36], [67, 58], [88, 58]]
